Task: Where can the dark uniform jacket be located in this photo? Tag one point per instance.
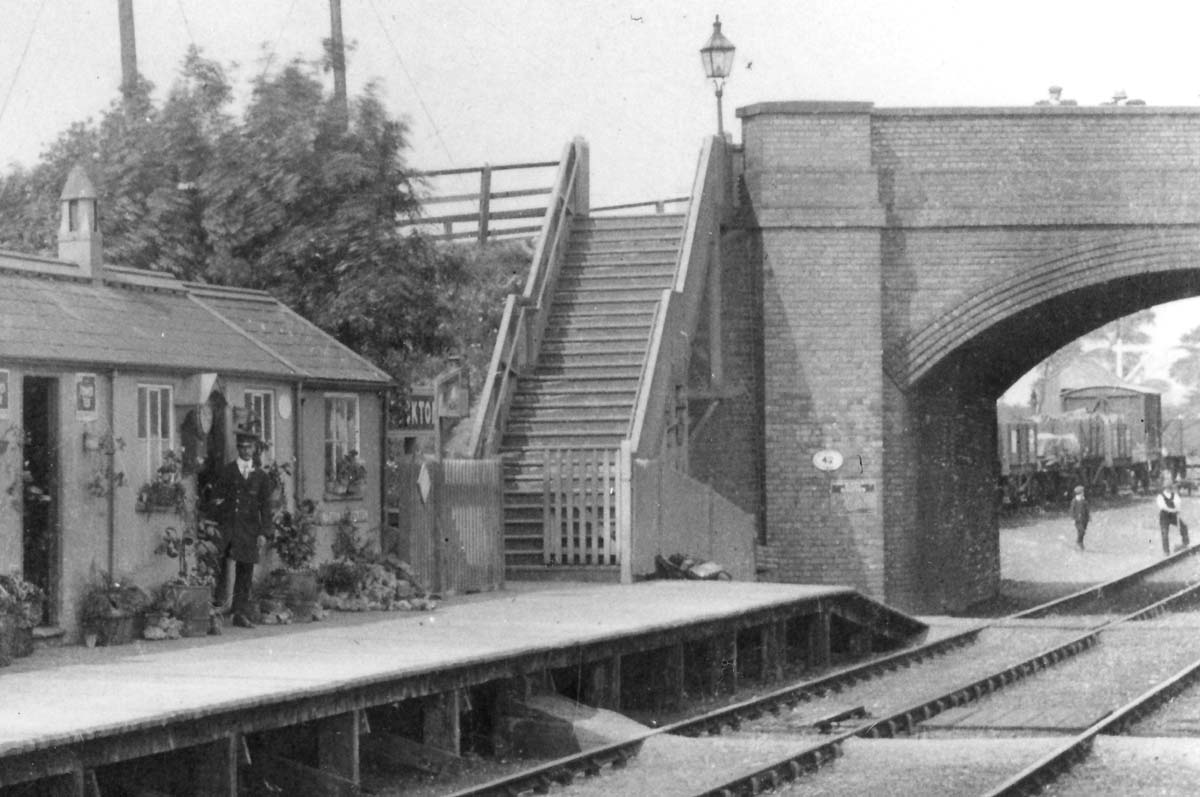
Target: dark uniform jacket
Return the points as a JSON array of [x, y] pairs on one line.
[[243, 510]]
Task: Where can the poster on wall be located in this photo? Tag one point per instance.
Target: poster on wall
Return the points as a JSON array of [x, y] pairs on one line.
[[3, 394], [85, 397]]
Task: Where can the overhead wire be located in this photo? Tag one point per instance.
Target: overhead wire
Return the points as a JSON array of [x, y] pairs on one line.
[[17, 74], [187, 26], [271, 53], [420, 100]]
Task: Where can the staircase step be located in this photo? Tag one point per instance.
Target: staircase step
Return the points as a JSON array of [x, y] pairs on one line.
[[606, 269], [579, 402], [582, 415], [595, 301], [595, 332], [599, 223], [614, 345], [559, 371], [633, 280], [514, 439], [550, 385], [605, 317]]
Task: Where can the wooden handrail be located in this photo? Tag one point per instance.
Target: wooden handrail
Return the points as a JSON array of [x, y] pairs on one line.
[[679, 307], [659, 205], [523, 324], [484, 215]]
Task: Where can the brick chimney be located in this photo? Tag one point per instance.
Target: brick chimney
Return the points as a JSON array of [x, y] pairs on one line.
[[79, 239]]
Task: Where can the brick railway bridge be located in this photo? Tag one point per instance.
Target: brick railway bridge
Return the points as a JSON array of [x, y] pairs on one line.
[[797, 376]]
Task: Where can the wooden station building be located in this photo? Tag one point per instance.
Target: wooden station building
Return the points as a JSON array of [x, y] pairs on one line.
[[106, 374]]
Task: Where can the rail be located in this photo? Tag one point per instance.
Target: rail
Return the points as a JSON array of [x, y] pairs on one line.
[[523, 323], [659, 205], [680, 307], [483, 213]]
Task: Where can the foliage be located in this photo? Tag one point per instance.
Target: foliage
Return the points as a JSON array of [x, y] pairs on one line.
[[110, 597], [22, 599], [1186, 370], [293, 540], [165, 491], [105, 477], [287, 196], [198, 550], [360, 579], [351, 472], [1108, 341]]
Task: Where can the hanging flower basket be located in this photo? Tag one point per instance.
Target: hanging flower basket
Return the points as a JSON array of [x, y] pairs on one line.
[[160, 497]]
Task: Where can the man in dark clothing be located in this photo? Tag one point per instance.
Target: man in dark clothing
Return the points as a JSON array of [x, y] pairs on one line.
[[1081, 514], [242, 499]]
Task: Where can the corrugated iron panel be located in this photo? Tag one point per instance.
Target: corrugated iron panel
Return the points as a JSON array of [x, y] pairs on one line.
[[451, 534]]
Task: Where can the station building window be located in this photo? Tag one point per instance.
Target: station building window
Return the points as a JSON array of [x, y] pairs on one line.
[[260, 407], [341, 434], [155, 424]]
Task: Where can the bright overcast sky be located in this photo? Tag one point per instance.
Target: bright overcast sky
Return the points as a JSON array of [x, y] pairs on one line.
[[504, 81]]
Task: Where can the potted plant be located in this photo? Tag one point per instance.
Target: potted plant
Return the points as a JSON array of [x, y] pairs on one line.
[[165, 491], [188, 595], [164, 617], [24, 602], [295, 545], [111, 611], [349, 475]]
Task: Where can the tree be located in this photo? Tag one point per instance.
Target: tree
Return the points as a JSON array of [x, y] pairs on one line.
[[1119, 343], [291, 198]]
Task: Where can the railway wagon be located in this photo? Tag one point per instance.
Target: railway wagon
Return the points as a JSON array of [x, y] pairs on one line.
[[1106, 438]]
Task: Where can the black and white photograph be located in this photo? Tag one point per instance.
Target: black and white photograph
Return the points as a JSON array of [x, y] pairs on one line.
[[666, 399]]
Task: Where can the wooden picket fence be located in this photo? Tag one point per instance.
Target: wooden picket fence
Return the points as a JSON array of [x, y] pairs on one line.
[[447, 523], [583, 501]]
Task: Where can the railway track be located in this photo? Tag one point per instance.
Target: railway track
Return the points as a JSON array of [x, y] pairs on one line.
[[774, 739]]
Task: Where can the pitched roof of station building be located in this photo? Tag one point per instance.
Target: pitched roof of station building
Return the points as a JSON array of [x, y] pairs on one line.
[[128, 318]]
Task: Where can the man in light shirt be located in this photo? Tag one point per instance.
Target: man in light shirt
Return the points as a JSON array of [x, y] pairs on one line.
[[1168, 501]]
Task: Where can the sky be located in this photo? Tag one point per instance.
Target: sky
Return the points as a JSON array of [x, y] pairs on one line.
[[504, 81]]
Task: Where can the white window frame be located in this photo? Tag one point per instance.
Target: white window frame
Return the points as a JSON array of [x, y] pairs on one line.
[[155, 445], [261, 401], [334, 448]]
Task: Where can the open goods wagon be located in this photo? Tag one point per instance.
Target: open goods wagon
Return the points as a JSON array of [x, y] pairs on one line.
[[1106, 438]]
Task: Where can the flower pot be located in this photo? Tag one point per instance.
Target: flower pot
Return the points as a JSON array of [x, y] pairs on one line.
[[23, 641], [116, 629], [8, 638], [193, 605]]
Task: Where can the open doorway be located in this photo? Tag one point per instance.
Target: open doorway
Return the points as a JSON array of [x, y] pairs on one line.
[[40, 514]]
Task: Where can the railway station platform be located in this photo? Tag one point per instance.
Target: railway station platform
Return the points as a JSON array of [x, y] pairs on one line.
[[304, 702]]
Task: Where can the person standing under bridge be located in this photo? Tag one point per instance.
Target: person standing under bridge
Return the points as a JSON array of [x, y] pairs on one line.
[[1168, 501], [1081, 514]]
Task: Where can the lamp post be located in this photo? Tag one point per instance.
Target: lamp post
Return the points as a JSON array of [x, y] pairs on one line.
[[717, 57]]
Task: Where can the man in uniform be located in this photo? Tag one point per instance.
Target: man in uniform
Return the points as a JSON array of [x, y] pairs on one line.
[[242, 500]]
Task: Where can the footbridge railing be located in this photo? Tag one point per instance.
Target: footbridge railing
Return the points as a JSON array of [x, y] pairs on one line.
[[524, 319], [679, 309]]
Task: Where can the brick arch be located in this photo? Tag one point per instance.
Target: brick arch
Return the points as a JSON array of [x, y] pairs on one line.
[[1146, 257]]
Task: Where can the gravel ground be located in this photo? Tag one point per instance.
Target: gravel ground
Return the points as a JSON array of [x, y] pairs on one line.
[[1120, 766], [905, 767], [1078, 692], [677, 766], [894, 691]]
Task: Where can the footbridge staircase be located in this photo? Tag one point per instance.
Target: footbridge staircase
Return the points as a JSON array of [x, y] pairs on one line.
[[586, 399]]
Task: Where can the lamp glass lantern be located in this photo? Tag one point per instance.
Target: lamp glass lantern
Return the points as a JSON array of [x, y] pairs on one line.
[[717, 58]]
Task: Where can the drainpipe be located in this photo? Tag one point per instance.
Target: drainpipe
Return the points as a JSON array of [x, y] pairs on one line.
[[383, 461], [297, 444], [112, 466]]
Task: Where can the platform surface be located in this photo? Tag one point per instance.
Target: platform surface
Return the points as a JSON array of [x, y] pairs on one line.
[[62, 696]]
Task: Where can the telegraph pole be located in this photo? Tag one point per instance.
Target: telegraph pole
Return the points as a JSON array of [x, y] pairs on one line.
[[337, 52], [129, 73]]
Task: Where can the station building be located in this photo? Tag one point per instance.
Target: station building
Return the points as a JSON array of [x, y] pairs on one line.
[[113, 379]]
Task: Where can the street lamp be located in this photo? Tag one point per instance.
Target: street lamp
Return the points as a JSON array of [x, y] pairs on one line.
[[717, 57]]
